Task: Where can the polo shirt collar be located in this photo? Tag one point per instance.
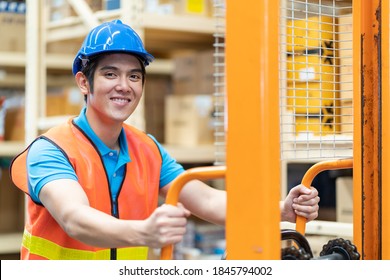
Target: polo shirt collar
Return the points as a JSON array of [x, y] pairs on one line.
[[82, 122]]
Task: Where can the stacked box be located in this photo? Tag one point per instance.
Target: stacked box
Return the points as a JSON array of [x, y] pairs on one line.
[[13, 116], [12, 32], [189, 7], [63, 101], [312, 75], [11, 203], [193, 72], [64, 47], [206, 71], [185, 75], [156, 90], [60, 9], [14, 124], [189, 120]]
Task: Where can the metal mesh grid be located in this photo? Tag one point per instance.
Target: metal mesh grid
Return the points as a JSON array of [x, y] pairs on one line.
[[315, 75], [315, 79], [219, 83]]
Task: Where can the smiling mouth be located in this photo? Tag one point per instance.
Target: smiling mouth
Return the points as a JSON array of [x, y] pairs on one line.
[[121, 100]]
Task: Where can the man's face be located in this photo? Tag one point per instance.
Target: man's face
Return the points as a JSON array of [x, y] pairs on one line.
[[117, 88]]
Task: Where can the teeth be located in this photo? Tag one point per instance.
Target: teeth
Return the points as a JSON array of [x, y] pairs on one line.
[[120, 100]]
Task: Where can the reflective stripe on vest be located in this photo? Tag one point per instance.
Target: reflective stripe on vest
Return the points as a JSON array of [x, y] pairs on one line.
[[49, 250]]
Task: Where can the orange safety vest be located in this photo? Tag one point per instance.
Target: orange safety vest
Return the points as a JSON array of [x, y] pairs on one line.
[[43, 237]]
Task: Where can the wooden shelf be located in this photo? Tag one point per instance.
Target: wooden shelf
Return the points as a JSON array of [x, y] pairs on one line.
[[11, 148], [199, 154], [10, 242], [179, 23], [73, 28], [12, 59]]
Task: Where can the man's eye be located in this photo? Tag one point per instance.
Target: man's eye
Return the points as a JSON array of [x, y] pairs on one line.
[[135, 77], [109, 74]]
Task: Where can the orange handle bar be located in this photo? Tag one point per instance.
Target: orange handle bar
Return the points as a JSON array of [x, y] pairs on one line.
[[309, 176], [199, 173]]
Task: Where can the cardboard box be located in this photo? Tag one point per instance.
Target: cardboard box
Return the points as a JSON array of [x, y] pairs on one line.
[[189, 7], [344, 199], [189, 120], [13, 32], [63, 101], [60, 9], [206, 71], [14, 124], [156, 90], [64, 47], [185, 75], [11, 204], [193, 72]]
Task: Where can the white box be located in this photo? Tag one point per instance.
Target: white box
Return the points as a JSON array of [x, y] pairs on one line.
[[344, 200]]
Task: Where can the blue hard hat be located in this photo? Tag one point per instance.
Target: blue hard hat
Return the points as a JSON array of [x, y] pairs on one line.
[[113, 36]]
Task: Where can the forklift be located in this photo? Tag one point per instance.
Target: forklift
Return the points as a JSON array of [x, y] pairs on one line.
[[252, 170]]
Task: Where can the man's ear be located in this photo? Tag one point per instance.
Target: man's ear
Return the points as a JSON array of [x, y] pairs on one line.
[[82, 83]]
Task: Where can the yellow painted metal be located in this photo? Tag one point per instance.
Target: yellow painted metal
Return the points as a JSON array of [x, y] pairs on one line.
[[385, 130], [253, 152], [200, 173], [312, 172], [370, 14]]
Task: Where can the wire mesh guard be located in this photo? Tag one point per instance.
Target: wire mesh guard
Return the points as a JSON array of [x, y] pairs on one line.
[[316, 79], [219, 83]]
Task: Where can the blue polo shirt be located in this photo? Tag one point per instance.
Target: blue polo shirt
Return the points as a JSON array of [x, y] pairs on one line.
[[46, 163]]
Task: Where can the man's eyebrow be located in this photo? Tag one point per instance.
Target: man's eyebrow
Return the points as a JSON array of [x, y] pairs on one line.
[[110, 67]]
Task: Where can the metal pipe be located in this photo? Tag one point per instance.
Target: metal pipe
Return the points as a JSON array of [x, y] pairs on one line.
[[199, 173], [314, 171]]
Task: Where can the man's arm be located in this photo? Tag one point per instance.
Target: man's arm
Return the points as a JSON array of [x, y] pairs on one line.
[[68, 204]]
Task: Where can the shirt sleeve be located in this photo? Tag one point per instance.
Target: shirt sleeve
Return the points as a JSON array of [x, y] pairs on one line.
[[170, 168], [45, 163]]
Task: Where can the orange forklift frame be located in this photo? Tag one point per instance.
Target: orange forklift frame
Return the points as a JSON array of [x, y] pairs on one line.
[[253, 136], [253, 146]]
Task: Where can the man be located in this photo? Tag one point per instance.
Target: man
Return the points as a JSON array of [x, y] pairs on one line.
[[93, 182]]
